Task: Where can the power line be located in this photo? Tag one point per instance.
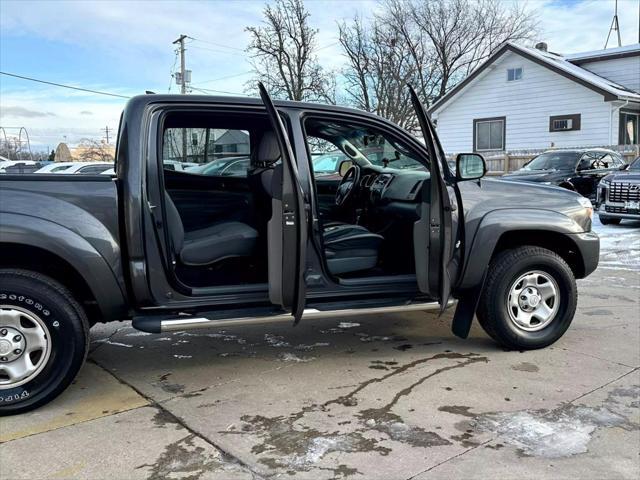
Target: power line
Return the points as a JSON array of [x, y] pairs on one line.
[[63, 86], [225, 77], [226, 52], [207, 90], [217, 44]]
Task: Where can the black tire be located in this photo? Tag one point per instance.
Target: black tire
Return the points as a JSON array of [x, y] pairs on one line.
[[609, 221], [504, 270], [68, 330]]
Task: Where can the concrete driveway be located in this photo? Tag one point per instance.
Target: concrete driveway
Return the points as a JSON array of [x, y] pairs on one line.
[[389, 397]]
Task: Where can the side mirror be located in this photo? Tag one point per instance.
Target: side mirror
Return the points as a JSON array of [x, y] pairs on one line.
[[470, 166], [344, 166]]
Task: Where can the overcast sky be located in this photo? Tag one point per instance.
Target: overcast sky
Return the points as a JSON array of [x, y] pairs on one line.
[[126, 48]]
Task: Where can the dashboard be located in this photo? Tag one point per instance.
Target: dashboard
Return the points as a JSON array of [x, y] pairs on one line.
[[389, 186]]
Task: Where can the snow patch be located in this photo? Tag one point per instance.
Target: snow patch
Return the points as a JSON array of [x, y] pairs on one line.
[[292, 357], [275, 340], [552, 434], [348, 325]]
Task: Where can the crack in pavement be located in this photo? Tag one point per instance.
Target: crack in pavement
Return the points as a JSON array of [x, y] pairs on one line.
[[557, 411], [182, 423]]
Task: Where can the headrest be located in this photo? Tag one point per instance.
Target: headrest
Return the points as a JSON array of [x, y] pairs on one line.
[[268, 150]]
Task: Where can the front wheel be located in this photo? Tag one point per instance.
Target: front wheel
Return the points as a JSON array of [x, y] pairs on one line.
[[44, 338], [529, 298]]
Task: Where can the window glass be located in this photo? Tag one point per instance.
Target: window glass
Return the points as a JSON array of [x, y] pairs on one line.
[[514, 74], [597, 160], [490, 135], [93, 169], [618, 161], [207, 151], [553, 161], [328, 163], [629, 128], [330, 142]]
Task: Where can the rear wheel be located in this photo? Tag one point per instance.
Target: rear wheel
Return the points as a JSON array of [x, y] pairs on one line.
[[529, 298], [44, 337]]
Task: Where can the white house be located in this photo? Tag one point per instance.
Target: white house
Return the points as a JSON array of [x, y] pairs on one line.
[[529, 98]]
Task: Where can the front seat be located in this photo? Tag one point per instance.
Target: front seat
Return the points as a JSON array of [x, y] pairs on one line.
[[348, 248], [211, 244]]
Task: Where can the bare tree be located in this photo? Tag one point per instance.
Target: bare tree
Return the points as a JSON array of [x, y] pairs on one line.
[[430, 45], [282, 52], [93, 151], [383, 58], [463, 33]]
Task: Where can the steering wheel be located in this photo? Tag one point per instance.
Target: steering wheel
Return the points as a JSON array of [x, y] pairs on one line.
[[348, 185], [599, 163]]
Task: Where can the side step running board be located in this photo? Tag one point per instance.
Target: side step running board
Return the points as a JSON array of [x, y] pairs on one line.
[[155, 324]]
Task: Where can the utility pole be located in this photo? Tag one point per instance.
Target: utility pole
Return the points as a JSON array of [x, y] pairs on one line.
[[183, 89], [106, 130], [614, 26], [183, 83]]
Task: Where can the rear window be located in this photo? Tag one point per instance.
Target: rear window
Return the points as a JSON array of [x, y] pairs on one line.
[[207, 151]]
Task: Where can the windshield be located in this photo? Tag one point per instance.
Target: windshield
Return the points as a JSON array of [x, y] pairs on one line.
[[553, 161], [635, 165], [361, 143], [328, 163]]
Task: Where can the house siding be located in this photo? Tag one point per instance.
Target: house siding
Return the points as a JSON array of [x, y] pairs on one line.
[[625, 71], [527, 105]]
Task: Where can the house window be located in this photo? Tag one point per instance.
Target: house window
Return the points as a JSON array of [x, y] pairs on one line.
[[629, 122], [564, 123], [489, 133], [514, 74]]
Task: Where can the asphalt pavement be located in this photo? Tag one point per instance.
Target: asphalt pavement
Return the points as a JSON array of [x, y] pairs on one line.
[[373, 397]]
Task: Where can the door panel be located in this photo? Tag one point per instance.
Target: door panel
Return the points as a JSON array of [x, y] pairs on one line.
[[287, 228], [433, 232]]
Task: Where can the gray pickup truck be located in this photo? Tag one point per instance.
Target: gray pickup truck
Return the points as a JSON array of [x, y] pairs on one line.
[[393, 228]]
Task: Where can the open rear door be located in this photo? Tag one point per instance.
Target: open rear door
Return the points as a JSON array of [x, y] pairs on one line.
[[287, 228], [433, 238]]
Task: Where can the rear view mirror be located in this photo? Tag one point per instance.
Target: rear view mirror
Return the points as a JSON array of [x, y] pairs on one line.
[[470, 166], [344, 166]]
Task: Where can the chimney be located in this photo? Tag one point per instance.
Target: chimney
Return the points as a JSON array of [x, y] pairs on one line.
[[541, 46]]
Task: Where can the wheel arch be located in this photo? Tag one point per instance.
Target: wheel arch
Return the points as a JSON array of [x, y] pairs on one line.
[[557, 242], [508, 228], [39, 245]]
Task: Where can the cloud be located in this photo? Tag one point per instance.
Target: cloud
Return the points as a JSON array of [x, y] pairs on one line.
[[582, 25], [126, 47], [21, 112]]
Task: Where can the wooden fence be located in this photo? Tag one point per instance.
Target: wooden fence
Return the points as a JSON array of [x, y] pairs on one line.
[[499, 163]]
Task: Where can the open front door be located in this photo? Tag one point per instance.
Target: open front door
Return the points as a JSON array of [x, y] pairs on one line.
[[287, 228], [433, 237]]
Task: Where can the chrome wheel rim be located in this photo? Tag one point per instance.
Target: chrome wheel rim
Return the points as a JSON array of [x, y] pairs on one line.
[[25, 346], [533, 301]]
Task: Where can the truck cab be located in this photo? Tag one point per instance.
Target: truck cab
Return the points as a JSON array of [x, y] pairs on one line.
[[218, 214]]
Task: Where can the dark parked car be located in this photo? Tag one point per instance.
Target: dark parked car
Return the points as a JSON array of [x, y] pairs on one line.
[[577, 170], [619, 195], [174, 250]]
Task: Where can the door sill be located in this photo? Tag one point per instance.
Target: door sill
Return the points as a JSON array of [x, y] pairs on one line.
[[379, 280], [161, 324]]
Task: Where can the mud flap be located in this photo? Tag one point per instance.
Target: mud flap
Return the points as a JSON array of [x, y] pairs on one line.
[[466, 309]]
